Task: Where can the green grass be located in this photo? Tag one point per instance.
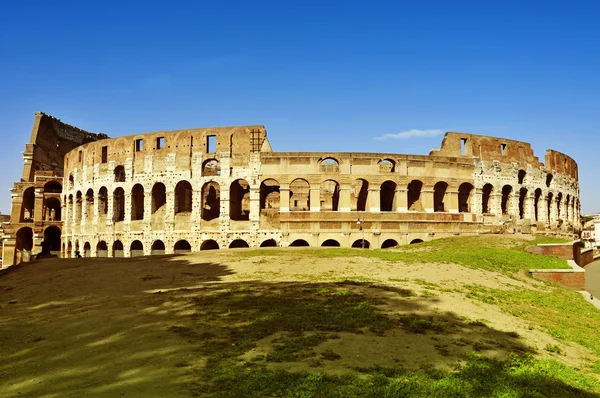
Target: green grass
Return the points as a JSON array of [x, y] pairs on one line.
[[563, 313], [302, 317], [482, 252]]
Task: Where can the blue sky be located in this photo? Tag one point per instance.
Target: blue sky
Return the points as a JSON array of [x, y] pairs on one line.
[[321, 76]]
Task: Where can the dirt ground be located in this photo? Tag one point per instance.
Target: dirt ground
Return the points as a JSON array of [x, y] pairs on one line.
[[112, 327]]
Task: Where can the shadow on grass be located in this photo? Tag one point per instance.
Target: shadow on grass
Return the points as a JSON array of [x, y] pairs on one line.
[[164, 326]]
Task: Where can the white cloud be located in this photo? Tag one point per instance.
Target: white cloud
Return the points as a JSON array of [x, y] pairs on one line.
[[414, 133]]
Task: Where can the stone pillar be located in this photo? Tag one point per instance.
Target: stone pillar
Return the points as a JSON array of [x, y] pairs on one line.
[[401, 199], [451, 200], [529, 206], [196, 215], [110, 212], [170, 206], [427, 200], [315, 199], [255, 203], [570, 211], [96, 216], [128, 207], [553, 210], [543, 209], [284, 198], [374, 200], [495, 204], [345, 204], [147, 206], [83, 221], [476, 205]]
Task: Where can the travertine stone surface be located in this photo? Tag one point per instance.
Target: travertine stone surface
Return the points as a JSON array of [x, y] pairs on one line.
[[198, 189]]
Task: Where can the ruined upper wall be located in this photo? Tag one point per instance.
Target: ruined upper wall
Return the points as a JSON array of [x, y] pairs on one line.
[[487, 148], [182, 143], [50, 140], [561, 163]]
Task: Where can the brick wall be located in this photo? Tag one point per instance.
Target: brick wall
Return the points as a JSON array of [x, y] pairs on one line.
[[570, 279]]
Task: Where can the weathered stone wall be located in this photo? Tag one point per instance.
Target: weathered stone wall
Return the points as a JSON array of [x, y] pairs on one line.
[[197, 189]]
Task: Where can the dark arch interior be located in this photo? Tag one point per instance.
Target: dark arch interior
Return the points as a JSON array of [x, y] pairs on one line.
[[361, 243], [331, 243], [414, 241], [238, 243], [52, 238], [209, 245], [182, 246], [137, 245], [389, 243], [299, 242], [158, 245], [102, 245], [269, 243]]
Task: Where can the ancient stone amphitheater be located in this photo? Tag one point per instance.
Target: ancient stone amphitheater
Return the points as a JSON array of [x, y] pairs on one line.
[[211, 188]]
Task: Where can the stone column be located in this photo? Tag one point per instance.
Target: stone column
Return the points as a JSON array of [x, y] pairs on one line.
[[529, 206], [345, 202], [170, 206], [543, 209], [128, 207], [255, 203], [476, 205], [374, 200], [495, 204], [401, 199], [284, 198], [315, 199], [451, 200], [427, 200], [83, 221], [110, 212], [570, 211], [147, 206], [196, 215], [96, 208], [553, 210]]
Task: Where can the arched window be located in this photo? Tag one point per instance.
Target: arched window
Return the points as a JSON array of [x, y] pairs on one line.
[[211, 201], [464, 197], [53, 187], [360, 194], [137, 249], [521, 176], [119, 174], [52, 210], [158, 247], [102, 249], [330, 195], [103, 201], [414, 195], [183, 197], [387, 166], [329, 165], [439, 196], [209, 244], [28, 205], [522, 202], [159, 197], [239, 200], [506, 198], [119, 205], [182, 246], [211, 167], [536, 203], [78, 206], [361, 244], [269, 194], [299, 195], [238, 243], [387, 194], [137, 202], [89, 205], [487, 192], [117, 249]]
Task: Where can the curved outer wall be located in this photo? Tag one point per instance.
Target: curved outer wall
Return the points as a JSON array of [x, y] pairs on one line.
[[236, 192]]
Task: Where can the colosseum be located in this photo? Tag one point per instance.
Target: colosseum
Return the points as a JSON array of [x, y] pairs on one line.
[[209, 188]]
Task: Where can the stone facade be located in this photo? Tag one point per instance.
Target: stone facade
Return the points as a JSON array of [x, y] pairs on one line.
[[198, 189]]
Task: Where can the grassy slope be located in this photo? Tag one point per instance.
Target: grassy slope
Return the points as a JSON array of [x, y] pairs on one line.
[[309, 316]]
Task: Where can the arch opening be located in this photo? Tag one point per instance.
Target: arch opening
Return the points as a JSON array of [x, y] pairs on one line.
[[137, 202], [239, 200], [136, 249], [387, 193], [211, 167], [361, 244], [119, 174], [299, 243], [157, 248], [415, 241], [52, 209], [28, 205], [414, 195], [118, 249], [360, 194], [209, 244], [53, 187], [183, 197], [330, 243], [506, 198], [102, 249], [89, 205], [238, 243], [329, 195], [269, 195], [159, 198], [487, 192], [269, 243], [464, 197], [52, 239], [103, 201], [389, 243], [299, 195], [211, 201], [182, 246], [119, 205]]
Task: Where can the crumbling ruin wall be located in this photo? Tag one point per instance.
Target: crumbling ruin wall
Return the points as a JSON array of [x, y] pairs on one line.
[[36, 199], [199, 189]]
